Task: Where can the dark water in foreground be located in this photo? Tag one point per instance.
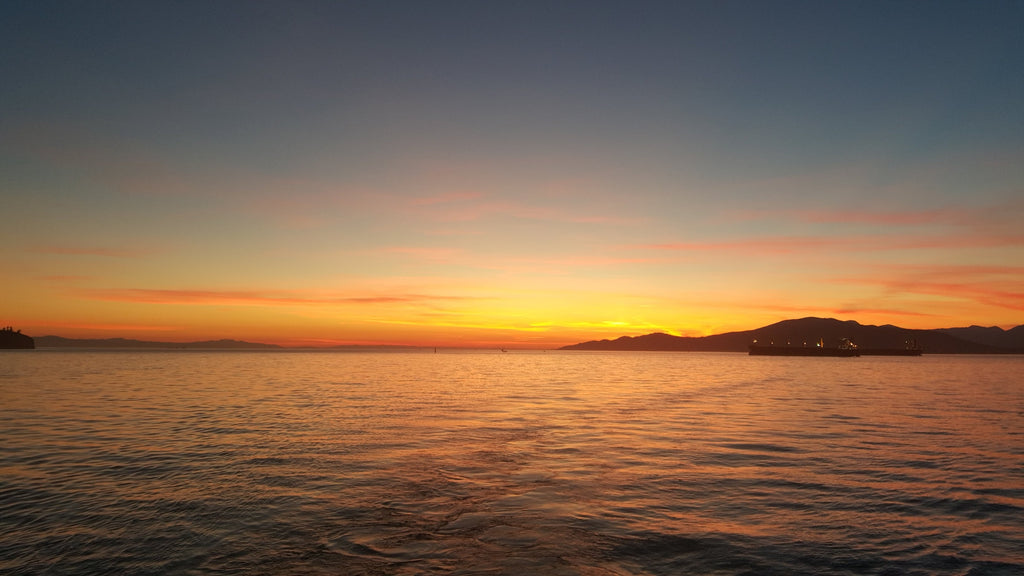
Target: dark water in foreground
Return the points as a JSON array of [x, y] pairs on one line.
[[519, 463]]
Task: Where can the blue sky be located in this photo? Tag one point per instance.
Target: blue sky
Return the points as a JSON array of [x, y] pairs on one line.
[[532, 172]]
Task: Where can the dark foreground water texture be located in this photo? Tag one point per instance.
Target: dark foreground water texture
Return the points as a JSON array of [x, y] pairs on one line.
[[519, 463]]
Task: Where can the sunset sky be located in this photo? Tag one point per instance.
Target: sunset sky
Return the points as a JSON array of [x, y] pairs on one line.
[[518, 174]]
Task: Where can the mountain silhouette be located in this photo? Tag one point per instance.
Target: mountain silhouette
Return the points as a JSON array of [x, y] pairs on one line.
[[829, 330], [60, 342], [991, 336]]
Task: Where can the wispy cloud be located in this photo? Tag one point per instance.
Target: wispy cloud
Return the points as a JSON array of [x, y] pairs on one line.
[[981, 294], [92, 251], [988, 285], [564, 265], [303, 204], [518, 264], [108, 327], [972, 217], [763, 245], [852, 216], [446, 198], [809, 243], [433, 254], [857, 310], [472, 206], [813, 309], [248, 298], [64, 278], [884, 218]]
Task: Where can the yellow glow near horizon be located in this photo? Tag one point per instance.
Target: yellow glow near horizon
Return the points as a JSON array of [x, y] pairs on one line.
[[434, 187]]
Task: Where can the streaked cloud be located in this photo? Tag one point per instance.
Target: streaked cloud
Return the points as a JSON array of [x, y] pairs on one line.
[[433, 254], [446, 198], [249, 298], [887, 218], [865, 242], [108, 327], [858, 311], [472, 207], [988, 285], [449, 185], [63, 278], [92, 251], [976, 217]]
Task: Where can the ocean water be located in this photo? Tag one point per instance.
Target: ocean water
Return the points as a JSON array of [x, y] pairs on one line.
[[520, 463]]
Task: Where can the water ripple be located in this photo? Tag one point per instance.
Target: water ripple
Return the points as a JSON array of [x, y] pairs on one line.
[[595, 464]]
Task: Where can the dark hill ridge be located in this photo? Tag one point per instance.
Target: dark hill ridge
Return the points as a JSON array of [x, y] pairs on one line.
[[810, 330], [11, 339], [60, 342], [991, 336]]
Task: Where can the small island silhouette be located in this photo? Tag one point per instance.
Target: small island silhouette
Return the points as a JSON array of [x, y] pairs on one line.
[[13, 339]]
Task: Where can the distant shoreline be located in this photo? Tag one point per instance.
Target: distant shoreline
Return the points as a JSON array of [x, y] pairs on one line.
[[968, 340]]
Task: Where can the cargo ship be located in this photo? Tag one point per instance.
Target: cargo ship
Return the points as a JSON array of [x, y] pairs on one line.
[[912, 348], [844, 349]]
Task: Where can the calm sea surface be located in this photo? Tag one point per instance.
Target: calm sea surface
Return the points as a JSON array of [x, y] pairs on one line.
[[520, 463]]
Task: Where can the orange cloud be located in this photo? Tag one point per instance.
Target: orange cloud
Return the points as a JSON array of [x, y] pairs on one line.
[[245, 298], [809, 309], [996, 286], [107, 327], [846, 311], [64, 278]]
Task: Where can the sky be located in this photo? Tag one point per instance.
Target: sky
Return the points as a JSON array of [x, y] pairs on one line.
[[508, 174]]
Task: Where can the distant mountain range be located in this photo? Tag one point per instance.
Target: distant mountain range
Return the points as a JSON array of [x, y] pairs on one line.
[[970, 340], [60, 342], [125, 343]]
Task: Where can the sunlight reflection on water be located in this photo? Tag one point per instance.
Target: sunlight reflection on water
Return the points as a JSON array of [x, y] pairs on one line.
[[467, 463]]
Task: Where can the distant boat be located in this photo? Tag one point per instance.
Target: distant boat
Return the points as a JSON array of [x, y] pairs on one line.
[[844, 349]]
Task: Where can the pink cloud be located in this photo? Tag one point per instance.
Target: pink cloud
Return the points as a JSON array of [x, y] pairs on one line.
[[807, 244], [866, 217], [473, 206], [447, 198], [983, 218], [564, 265], [996, 286], [433, 254], [244, 298], [765, 245]]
